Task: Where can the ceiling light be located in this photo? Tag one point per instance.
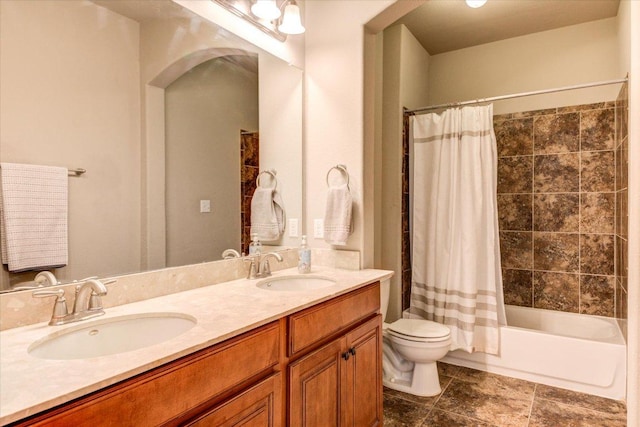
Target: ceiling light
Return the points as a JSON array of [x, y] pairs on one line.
[[266, 9], [291, 23], [475, 3]]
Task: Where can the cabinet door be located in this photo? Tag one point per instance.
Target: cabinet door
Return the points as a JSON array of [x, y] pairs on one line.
[[259, 406], [315, 387], [363, 388]]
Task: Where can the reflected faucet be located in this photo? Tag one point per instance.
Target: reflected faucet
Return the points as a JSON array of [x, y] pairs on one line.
[[86, 305], [42, 280], [230, 253]]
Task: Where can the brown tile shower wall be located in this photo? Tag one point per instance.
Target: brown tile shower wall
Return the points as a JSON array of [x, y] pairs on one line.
[[622, 210], [249, 168], [556, 208]]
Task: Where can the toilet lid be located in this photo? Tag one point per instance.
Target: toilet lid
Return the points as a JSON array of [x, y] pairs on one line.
[[419, 328]]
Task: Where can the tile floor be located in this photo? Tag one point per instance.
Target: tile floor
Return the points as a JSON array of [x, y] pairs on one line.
[[472, 398]]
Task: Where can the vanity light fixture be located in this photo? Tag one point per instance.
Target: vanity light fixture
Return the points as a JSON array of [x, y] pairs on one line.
[[291, 22], [262, 14], [266, 9], [475, 3]]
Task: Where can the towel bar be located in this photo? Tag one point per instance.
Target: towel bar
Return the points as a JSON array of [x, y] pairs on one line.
[[271, 172], [342, 169]]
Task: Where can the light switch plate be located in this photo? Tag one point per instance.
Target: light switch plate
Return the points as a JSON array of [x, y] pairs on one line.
[[205, 206], [293, 227], [318, 228]]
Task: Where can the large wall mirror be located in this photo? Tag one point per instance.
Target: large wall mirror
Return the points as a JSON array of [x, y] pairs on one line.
[[152, 101]]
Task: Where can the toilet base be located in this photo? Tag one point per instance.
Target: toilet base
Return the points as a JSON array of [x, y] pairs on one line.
[[422, 381]]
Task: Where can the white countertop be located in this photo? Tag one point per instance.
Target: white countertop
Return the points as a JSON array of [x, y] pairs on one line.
[[29, 385]]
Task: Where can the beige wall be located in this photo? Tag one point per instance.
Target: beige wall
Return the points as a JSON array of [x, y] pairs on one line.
[[333, 107], [405, 84], [88, 117], [203, 158], [567, 56]]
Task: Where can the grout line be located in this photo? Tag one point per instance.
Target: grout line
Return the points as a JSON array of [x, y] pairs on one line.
[[533, 399]]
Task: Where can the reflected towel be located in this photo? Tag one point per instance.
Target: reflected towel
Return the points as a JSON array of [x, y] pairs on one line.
[[33, 216], [267, 214], [337, 216]]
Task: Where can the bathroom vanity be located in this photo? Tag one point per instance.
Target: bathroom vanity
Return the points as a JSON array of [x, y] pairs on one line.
[[316, 363]]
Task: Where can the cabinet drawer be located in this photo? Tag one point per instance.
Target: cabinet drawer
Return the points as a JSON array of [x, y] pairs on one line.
[[314, 324], [164, 393]]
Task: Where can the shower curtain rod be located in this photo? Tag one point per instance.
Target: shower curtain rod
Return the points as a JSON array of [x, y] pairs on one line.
[[515, 95]]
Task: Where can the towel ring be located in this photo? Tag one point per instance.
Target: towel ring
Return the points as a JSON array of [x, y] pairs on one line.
[[343, 170], [272, 173]]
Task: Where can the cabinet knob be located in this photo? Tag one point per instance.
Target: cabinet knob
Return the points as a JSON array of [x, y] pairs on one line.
[[352, 350], [345, 355]]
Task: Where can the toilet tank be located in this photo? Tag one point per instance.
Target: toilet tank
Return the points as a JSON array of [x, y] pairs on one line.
[[385, 288]]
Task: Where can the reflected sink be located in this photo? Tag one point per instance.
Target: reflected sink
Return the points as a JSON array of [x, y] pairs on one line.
[[111, 336], [296, 283]]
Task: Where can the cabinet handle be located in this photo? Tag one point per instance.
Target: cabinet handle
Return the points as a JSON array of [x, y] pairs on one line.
[[352, 350], [345, 355]]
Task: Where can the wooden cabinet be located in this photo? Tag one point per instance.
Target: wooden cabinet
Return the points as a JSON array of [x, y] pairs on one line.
[[325, 360], [339, 383]]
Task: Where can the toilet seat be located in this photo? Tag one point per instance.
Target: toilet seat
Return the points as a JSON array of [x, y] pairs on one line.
[[418, 330]]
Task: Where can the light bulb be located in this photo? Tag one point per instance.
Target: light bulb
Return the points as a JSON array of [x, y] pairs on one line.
[[475, 3], [291, 23], [266, 9]]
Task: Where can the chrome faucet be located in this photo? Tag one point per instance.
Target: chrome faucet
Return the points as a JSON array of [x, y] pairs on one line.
[[260, 267], [86, 305]]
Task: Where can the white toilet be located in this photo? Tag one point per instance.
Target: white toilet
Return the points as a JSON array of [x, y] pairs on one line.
[[411, 348]]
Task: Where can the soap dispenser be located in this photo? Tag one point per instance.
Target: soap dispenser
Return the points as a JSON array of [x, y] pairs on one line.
[[255, 247], [304, 257]]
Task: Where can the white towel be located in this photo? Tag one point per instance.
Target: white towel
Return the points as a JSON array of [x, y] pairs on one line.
[[33, 216], [267, 214], [337, 216]]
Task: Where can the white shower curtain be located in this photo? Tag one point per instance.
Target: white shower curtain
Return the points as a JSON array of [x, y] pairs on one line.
[[456, 275]]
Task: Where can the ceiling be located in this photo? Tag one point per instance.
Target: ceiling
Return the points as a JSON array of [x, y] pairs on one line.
[[446, 25]]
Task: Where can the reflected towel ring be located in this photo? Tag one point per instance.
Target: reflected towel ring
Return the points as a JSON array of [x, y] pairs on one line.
[[343, 170], [273, 174]]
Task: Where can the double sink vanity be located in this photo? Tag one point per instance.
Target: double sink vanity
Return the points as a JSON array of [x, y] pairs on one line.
[[285, 350]]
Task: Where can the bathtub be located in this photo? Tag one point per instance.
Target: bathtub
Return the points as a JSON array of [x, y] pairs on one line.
[[572, 351]]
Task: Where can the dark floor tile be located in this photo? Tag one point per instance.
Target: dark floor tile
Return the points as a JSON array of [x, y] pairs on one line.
[[545, 413], [489, 400], [447, 370], [438, 418], [574, 398], [398, 412]]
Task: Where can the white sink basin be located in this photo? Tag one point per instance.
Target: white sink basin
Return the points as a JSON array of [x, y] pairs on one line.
[[111, 336], [296, 283]]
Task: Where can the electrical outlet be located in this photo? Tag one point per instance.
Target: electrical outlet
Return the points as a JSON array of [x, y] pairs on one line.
[[293, 227], [205, 206], [318, 228]]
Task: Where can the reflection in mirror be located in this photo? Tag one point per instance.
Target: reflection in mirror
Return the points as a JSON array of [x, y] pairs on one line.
[[84, 85]]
